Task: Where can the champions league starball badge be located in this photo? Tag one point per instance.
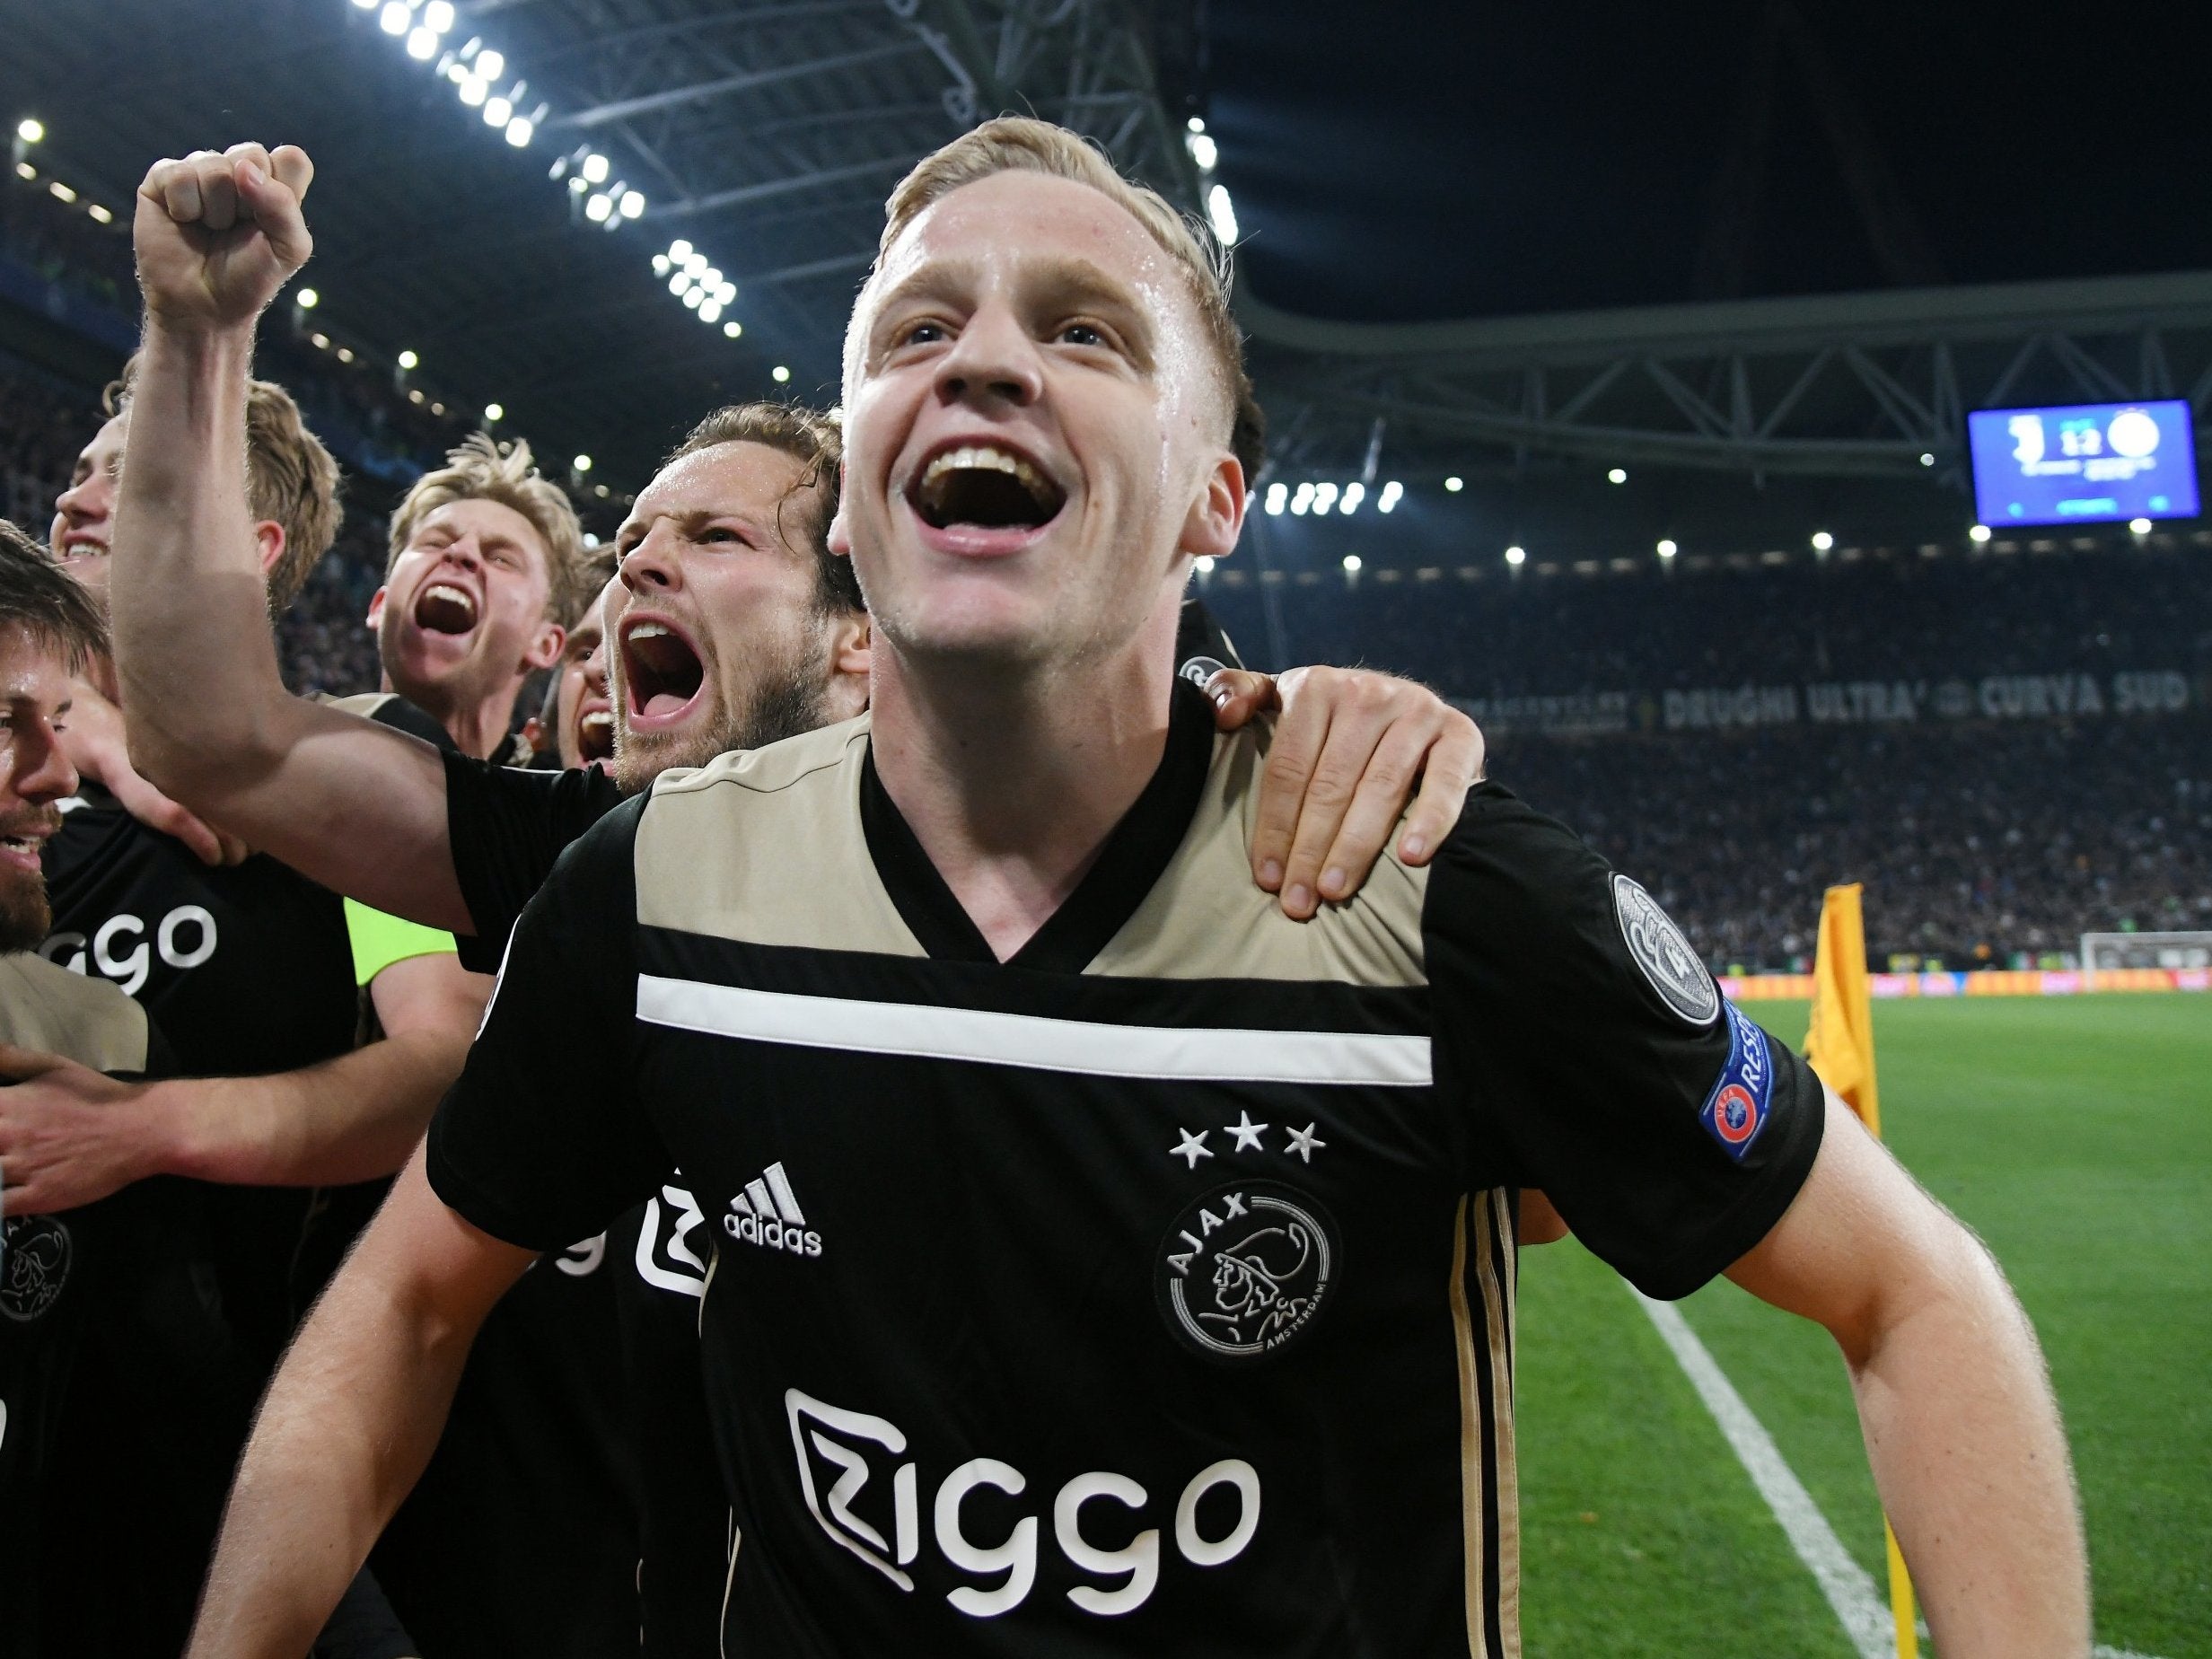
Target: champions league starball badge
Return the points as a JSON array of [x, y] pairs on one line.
[[1663, 954], [34, 1266], [1245, 1269], [1199, 670]]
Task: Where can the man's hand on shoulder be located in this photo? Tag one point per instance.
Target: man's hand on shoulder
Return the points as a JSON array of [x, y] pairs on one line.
[[1350, 750], [70, 1136], [95, 743], [218, 235]]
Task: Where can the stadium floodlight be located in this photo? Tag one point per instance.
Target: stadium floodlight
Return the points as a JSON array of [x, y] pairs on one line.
[[595, 168], [583, 464], [1926, 460], [1619, 475], [438, 16], [1455, 484], [576, 186], [1324, 496], [1302, 500], [1278, 497], [409, 360], [1667, 550], [1221, 213], [693, 298], [322, 341], [344, 354], [1351, 563], [61, 192], [492, 411], [416, 396], [473, 91], [660, 265], [1195, 125], [1206, 566], [307, 299], [679, 248], [1393, 492], [24, 169], [1354, 493], [710, 308], [1516, 557], [520, 131], [489, 66], [2140, 526], [395, 19], [633, 204], [1978, 533], [726, 291], [710, 278], [679, 281], [1822, 541], [422, 44], [100, 215], [779, 374], [30, 129], [497, 111], [365, 5], [695, 262], [1203, 151], [732, 328], [597, 208]]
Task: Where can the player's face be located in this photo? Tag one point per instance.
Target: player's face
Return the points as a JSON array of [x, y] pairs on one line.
[[583, 710], [84, 528], [718, 641], [463, 612], [1030, 432], [34, 774]]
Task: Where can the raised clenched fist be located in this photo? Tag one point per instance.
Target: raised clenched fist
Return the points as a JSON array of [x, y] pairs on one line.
[[218, 235]]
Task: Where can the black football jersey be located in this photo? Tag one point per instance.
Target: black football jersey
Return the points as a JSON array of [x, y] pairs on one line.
[[1149, 1291]]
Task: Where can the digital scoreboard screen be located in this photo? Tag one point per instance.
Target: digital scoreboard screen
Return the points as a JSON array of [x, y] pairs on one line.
[[2084, 463]]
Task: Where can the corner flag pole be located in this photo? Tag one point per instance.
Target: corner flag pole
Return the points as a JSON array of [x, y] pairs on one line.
[[1841, 1045]]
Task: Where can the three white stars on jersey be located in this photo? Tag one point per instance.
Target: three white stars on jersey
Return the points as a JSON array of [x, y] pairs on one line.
[[1301, 1143]]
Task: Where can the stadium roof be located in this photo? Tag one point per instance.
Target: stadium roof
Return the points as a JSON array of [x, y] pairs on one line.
[[1401, 163]]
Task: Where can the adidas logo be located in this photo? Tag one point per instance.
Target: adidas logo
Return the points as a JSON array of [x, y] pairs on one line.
[[767, 1214]]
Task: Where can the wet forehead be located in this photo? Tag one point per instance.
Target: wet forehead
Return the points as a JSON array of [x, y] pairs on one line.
[[31, 670], [738, 478], [1021, 230], [487, 519], [105, 448]]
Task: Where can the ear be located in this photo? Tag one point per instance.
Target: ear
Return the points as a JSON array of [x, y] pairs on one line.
[[376, 608], [852, 641], [1216, 518], [269, 539], [840, 533], [545, 647]]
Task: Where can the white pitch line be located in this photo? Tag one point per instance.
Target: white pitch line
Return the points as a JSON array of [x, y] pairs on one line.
[[1865, 1616]]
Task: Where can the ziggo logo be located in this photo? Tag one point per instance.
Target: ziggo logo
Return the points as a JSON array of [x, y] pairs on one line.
[[130, 970], [847, 1442]]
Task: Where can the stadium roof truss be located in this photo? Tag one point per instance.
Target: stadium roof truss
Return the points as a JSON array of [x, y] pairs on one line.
[[1844, 384]]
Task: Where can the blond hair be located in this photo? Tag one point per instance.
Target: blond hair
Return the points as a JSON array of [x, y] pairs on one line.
[[291, 480], [1018, 144], [477, 470]]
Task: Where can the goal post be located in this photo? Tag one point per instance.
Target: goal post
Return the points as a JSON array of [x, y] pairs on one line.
[[2108, 952]]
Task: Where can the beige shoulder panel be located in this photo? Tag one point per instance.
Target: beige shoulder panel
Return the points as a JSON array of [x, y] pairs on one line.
[[362, 703], [1207, 919], [47, 1007], [764, 846]]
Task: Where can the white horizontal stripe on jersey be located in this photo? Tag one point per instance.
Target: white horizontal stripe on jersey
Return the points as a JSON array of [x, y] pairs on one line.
[[1194, 1054]]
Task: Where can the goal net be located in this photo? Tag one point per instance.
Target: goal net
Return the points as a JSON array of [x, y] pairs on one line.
[[2106, 951]]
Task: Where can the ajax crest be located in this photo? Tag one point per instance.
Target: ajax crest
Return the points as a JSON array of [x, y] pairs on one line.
[[1245, 1269], [34, 1265]]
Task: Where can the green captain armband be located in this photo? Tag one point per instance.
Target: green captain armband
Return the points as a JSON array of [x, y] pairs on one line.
[[380, 940]]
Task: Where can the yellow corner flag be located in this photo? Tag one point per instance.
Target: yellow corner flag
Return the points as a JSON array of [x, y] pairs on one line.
[[1841, 1045]]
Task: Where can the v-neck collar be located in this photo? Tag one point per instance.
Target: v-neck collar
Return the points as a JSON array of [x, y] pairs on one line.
[[1134, 857]]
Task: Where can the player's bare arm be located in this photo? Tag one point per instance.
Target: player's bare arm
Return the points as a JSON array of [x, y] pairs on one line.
[[357, 806], [1957, 1411], [70, 1136], [350, 1422]]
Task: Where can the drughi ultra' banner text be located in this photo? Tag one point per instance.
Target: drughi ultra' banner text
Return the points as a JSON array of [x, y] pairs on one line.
[[2069, 696]]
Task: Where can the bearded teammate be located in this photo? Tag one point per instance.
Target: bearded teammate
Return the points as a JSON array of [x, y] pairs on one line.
[[122, 1388]]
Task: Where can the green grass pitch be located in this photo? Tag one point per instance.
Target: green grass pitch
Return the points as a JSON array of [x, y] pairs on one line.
[[2074, 1135]]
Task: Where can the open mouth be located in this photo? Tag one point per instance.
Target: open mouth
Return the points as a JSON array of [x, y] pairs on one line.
[[443, 608], [595, 736], [22, 842], [985, 486], [660, 670]]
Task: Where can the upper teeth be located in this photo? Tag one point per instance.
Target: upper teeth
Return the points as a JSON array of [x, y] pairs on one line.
[[445, 590], [597, 718], [648, 631], [991, 458]]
